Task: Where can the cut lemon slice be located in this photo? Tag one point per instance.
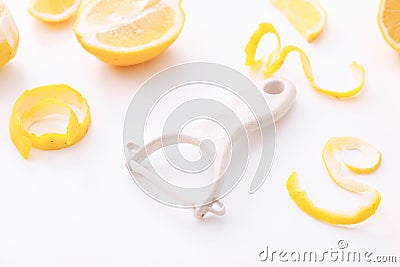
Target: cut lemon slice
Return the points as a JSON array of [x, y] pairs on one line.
[[389, 22], [308, 17], [123, 33], [335, 170], [53, 10], [9, 36]]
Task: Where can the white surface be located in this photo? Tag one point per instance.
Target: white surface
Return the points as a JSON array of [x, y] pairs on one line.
[[79, 206]]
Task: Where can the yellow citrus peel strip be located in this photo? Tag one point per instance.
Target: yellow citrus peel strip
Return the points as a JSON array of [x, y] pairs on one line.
[[335, 170], [277, 57], [36, 104]]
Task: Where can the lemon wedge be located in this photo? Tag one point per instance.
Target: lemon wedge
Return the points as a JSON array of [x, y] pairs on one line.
[[123, 33], [9, 36], [308, 17], [53, 10]]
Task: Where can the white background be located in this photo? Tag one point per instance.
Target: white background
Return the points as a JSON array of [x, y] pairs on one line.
[[79, 206]]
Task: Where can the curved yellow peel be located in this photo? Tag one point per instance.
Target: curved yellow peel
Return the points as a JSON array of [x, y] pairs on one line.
[[300, 197], [334, 168], [34, 105], [277, 57]]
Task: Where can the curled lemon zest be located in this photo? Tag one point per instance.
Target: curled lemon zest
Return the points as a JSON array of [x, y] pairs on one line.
[[277, 57], [335, 170], [34, 105]]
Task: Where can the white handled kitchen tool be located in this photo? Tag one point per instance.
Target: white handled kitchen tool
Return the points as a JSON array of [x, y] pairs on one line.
[[278, 93]]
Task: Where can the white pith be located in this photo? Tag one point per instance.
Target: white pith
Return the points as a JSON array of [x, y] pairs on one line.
[[8, 28]]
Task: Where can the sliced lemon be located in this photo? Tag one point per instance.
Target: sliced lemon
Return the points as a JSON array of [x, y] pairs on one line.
[[308, 17], [277, 57], [128, 32], [335, 170], [9, 36], [35, 105], [389, 22], [53, 10]]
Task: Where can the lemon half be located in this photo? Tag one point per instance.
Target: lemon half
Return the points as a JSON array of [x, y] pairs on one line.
[[123, 33]]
